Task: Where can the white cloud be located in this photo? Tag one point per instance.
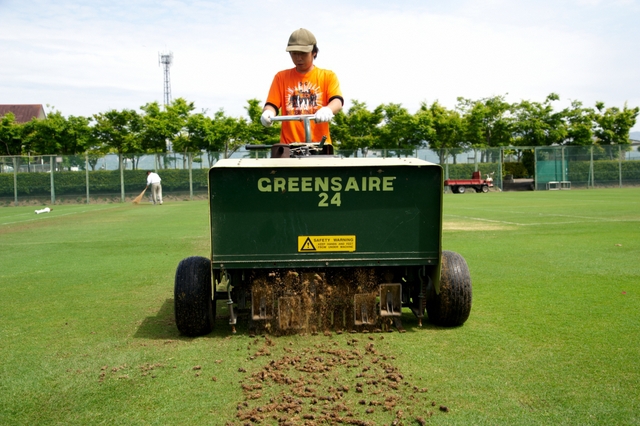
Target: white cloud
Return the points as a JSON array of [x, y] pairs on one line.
[[86, 57]]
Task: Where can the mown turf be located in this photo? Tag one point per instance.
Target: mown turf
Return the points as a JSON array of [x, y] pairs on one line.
[[88, 336]]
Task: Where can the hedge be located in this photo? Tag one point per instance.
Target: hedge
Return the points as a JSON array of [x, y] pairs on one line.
[[108, 182], [604, 171], [100, 182]]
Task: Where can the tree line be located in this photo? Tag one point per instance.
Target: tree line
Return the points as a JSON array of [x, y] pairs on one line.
[[482, 123]]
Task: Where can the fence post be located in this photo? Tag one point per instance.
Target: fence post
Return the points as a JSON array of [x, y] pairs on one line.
[[591, 169], [53, 189], [535, 168], [190, 176], [86, 169], [15, 181], [499, 177], [121, 179], [564, 171], [620, 165]]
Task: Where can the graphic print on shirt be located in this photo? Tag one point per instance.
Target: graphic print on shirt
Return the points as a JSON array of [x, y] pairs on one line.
[[305, 98]]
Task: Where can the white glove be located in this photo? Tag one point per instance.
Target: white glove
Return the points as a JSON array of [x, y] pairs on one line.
[[323, 115], [266, 117]]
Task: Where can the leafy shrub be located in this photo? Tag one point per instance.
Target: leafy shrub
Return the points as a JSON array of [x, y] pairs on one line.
[[518, 170]]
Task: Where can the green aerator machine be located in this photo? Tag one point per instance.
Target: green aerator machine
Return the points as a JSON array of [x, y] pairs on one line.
[[307, 241]]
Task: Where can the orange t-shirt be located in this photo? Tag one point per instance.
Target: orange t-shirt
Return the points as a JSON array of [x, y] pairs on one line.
[[292, 93]]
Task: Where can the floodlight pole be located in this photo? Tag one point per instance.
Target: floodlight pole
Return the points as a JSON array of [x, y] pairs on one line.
[[165, 60]]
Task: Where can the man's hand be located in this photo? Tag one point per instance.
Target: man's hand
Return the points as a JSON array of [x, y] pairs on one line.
[[266, 117], [323, 115]]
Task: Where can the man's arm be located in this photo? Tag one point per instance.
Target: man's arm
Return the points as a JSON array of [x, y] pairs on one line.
[[270, 108], [335, 105]]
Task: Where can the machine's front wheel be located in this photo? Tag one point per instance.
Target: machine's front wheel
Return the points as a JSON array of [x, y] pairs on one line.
[[485, 188], [193, 305], [452, 306]]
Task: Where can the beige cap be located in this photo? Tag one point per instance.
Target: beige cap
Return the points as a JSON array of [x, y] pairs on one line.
[[301, 41]]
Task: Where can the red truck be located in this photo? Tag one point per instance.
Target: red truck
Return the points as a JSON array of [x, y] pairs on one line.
[[459, 186]]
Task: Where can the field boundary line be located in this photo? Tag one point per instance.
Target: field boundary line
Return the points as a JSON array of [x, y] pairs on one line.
[[479, 219], [49, 216], [506, 222]]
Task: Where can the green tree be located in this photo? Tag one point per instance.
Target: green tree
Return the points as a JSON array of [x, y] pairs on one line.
[[356, 129], [165, 125], [10, 135], [252, 131], [579, 124], [57, 135], [120, 131], [215, 135], [613, 124], [536, 124], [156, 130], [76, 140], [447, 136], [399, 129], [487, 121], [78, 133], [195, 137], [96, 147], [424, 125], [198, 134]]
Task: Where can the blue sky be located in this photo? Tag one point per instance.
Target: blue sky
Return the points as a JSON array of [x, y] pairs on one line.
[[85, 57]]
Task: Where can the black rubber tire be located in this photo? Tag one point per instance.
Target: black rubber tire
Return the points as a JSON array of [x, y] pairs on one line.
[[452, 306], [454, 189], [193, 306], [485, 189], [461, 189]]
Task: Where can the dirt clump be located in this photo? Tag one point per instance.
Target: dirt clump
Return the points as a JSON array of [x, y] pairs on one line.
[[334, 382]]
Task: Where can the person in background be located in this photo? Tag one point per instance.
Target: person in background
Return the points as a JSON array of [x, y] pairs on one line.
[[153, 180], [304, 89]]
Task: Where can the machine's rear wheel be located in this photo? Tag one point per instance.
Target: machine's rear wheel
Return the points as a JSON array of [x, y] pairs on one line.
[[461, 189], [452, 306], [194, 308], [485, 188]]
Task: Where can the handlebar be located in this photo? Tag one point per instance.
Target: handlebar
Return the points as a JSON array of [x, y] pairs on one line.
[[305, 118], [298, 148], [301, 117]]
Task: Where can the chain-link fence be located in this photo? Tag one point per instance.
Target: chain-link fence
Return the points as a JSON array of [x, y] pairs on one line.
[[587, 167], [110, 177], [117, 178]]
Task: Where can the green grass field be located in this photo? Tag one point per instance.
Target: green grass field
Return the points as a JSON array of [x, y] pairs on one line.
[[87, 334]]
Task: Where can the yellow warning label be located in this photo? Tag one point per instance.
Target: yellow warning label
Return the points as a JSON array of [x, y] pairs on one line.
[[324, 243]]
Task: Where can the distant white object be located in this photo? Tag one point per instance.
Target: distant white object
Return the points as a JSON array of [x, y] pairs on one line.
[[45, 210]]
